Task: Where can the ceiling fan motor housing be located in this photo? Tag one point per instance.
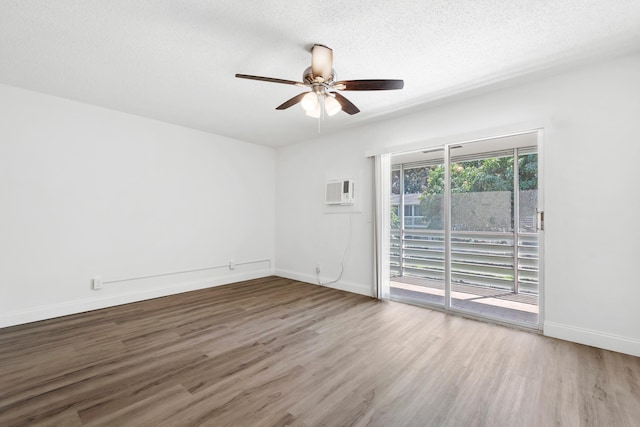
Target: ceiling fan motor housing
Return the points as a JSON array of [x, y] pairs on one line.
[[308, 78]]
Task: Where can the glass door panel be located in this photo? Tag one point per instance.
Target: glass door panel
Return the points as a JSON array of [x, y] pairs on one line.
[[417, 228], [493, 238]]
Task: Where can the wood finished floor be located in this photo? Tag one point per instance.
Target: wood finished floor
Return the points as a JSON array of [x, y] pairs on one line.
[[275, 352]]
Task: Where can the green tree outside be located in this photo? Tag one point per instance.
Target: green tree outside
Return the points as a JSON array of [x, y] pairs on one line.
[[493, 174]]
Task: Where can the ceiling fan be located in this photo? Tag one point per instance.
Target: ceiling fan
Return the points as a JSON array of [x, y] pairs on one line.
[[320, 77]]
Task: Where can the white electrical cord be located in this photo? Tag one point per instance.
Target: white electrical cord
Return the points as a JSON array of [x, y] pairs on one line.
[[344, 257]]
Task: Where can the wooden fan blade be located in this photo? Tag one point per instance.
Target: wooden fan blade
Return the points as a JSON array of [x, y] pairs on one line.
[[347, 106], [369, 84], [269, 79], [291, 102], [321, 61]]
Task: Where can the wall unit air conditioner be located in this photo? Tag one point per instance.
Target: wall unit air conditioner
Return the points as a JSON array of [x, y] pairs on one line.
[[339, 192]]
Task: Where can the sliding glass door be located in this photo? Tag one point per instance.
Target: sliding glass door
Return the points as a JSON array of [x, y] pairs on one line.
[[464, 229]]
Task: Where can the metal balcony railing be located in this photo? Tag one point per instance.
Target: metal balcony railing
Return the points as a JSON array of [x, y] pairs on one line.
[[485, 259]]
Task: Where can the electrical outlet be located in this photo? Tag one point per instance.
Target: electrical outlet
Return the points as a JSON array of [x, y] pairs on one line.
[[318, 268], [232, 265], [96, 285]]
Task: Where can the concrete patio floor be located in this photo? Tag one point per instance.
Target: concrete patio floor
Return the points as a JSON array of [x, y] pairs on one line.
[[487, 302]]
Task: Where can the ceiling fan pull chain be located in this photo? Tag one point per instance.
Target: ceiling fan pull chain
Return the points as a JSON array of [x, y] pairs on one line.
[[323, 109], [321, 116]]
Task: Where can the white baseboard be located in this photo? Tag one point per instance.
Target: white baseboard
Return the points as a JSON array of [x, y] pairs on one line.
[[356, 288], [593, 338], [79, 306]]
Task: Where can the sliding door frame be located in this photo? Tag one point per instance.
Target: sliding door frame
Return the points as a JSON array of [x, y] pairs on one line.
[[446, 147], [447, 227]]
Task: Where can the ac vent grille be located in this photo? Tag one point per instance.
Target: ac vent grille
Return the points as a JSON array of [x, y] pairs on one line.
[[339, 192]]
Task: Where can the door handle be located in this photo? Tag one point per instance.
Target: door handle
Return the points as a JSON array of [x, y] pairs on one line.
[[539, 220]]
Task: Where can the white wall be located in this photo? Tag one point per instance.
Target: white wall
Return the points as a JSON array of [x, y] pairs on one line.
[[86, 191], [305, 234], [591, 153]]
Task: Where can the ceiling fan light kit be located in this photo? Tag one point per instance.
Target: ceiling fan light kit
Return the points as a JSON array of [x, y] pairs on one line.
[[320, 77], [316, 112], [309, 101], [331, 105]]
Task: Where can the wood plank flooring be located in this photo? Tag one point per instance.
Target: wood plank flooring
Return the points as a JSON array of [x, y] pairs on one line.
[[275, 352]]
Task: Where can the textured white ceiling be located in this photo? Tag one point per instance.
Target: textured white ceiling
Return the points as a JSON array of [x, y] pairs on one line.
[[175, 60]]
